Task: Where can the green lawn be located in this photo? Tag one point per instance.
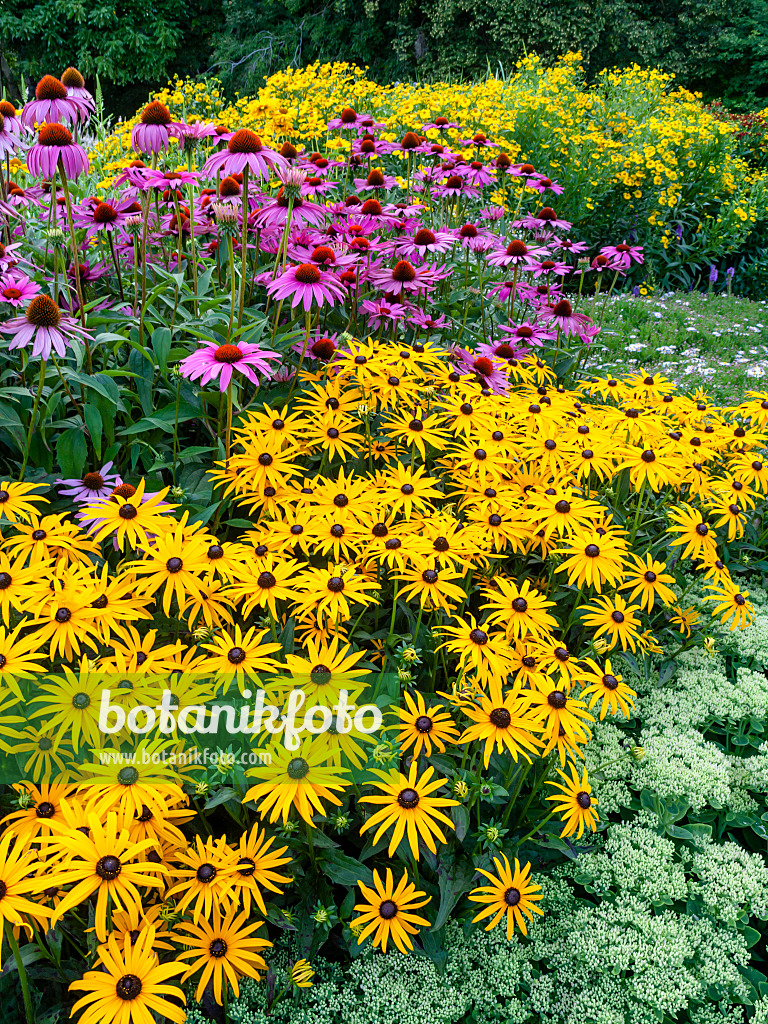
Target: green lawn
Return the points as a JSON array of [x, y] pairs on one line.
[[715, 342]]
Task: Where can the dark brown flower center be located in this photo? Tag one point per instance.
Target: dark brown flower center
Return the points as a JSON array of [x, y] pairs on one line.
[[108, 868], [245, 141], [155, 113], [43, 312], [408, 798], [128, 987], [50, 88], [501, 718]]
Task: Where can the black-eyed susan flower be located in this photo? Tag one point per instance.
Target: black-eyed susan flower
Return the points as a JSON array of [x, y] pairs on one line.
[[175, 563], [423, 728], [263, 582], [328, 668], [605, 684], [652, 467], [408, 490], [434, 586], [330, 592], [647, 580], [574, 803], [503, 723], [223, 948], [388, 912], [104, 862], [408, 804], [70, 707], [560, 715], [256, 869], [18, 500], [40, 813], [614, 619], [206, 877], [478, 649], [130, 519], [521, 610], [593, 560], [241, 654], [511, 895], [692, 532], [296, 778], [130, 985], [731, 604]]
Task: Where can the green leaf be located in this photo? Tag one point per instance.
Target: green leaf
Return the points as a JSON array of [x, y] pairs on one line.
[[221, 796], [453, 884], [344, 870], [100, 382], [94, 424], [71, 451], [161, 346]]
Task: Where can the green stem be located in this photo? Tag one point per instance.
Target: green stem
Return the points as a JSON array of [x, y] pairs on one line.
[[22, 972], [244, 244], [33, 417]]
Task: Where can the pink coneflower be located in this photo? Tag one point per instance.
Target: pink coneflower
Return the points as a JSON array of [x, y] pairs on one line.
[[422, 242], [220, 361], [46, 327], [567, 245], [600, 263], [441, 124], [376, 180], [369, 147], [382, 310], [12, 120], [455, 185], [74, 83], [426, 322], [155, 129], [623, 254], [169, 179], [275, 213], [503, 350], [527, 333], [243, 150], [8, 140], [479, 139], [545, 220], [323, 255], [403, 279], [542, 185], [199, 130], [19, 198], [8, 254], [54, 142], [90, 272], [476, 173], [590, 333], [52, 104], [548, 268], [100, 216], [562, 315], [16, 289], [517, 253], [350, 119], [307, 284], [492, 213], [487, 371], [322, 347], [93, 486], [315, 186], [540, 295]]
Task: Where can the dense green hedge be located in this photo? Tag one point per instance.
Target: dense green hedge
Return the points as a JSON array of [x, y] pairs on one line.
[[717, 46]]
